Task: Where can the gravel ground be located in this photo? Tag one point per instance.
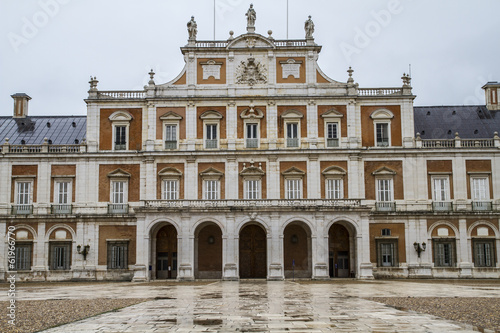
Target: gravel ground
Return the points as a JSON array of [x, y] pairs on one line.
[[33, 316], [481, 312]]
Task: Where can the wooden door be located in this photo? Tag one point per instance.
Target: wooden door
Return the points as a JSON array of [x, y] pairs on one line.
[[253, 252]]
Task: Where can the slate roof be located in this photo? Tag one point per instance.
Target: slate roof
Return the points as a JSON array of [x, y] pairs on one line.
[[442, 122], [61, 130]]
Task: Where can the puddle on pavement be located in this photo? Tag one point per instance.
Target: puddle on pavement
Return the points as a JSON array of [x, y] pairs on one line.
[[208, 322]]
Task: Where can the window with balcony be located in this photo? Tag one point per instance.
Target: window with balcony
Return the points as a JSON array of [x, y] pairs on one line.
[[60, 255], [384, 189], [119, 180], [382, 127], [480, 191], [252, 189], [62, 196], [117, 254], [171, 121], [387, 252], [334, 182], [332, 121], [24, 197], [441, 193], [291, 120], [211, 129], [252, 117], [293, 178], [484, 252], [120, 122]]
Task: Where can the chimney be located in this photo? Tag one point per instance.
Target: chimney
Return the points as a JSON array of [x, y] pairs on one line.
[[491, 90], [20, 105]]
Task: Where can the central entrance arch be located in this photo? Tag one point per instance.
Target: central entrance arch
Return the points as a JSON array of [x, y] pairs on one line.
[[166, 253], [253, 252], [208, 251], [297, 250]]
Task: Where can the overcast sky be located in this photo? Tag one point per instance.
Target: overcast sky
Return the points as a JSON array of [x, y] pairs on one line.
[[49, 48]]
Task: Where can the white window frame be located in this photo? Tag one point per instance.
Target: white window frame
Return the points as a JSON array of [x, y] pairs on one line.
[[31, 183], [382, 116], [296, 123], [257, 132], [57, 193], [165, 190], [170, 119], [257, 190], [292, 117], [474, 191], [390, 188], [119, 257], [125, 190], [295, 189], [170, 174], [210, 187], [211, 118], [332, 117], [121, 118], [338, 191], [438, 197]]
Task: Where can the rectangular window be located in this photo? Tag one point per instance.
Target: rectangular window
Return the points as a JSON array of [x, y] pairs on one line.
[[252, 189], [211, 136], [292, 134], [384, 190], [493, 96], [170, 136], [170, 189], [294, 188], [382, 135], [441, 189], [334, 189], [118, 196], [211, 189], [117, 255], [60, 256], [23, 257], [332, 135], [63, 195], [120, 137], [444, 252], [387, 252], [252, 136], [480, 190], [24, 193], [484, 253]]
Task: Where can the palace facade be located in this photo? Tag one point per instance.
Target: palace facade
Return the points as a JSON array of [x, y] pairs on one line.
[[252, 163]]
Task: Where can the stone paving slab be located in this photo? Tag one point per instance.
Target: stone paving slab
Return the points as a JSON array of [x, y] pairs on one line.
[[270, 307]]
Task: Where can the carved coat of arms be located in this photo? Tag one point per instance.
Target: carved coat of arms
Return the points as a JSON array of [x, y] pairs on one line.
[[251, 72]]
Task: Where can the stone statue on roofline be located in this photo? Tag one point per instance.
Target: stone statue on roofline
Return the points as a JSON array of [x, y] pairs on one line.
[[251, 17], [192, 29], [309, 28]]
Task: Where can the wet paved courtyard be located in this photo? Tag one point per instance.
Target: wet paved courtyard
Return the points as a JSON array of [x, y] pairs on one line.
[[261, 306]]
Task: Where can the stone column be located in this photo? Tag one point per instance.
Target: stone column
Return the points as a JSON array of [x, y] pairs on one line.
[[275, 249], [191, 179], [312, 124], [141, 267], [231, 119], [149, 127], [191, 121], [185, 249], [231, 176], [273, 178], [356, 177], [319, 240], [230, 250], [313, 178], [363, 248], [464, 249], [148, 178], [40, 254], [272, 124]]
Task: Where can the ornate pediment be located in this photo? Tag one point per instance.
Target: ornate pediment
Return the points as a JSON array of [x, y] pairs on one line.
[[292, 114], [382, 114], [252, 113], [252, 171], [334, 171], [121, 116], [293, 171], [170, 173], [211, 115], [211, 173], [384, 171], [171, 115], [251, 41], [332, 114], [251, 72], [119, 173]]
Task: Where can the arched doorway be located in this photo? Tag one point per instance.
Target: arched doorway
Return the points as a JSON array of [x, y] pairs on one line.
[[166, 253], [297, 251], [253, 252], [208, 251], [341, 253]]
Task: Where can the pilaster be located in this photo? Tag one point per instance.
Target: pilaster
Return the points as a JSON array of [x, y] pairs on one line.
[[319, 245], [463, 248], [191, 126], [273, 178], [313, 178], [186, 250], [191, 179], [230, 252], [275, 249], [272, 124], [231, 119], [312, 124], [231, 177]]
